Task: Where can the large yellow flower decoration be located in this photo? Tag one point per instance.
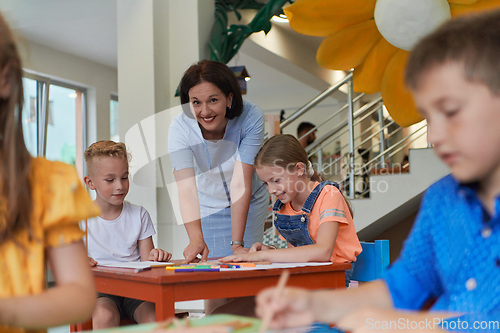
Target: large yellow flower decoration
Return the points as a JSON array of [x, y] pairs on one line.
[[354, 41]]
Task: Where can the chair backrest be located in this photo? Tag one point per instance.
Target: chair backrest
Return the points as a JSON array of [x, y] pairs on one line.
[[372, 262]]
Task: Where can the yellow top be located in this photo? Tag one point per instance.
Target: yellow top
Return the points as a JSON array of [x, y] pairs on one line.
[[59, 203]]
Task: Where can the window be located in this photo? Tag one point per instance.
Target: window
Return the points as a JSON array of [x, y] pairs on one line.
[[53, 120], [113, 114]]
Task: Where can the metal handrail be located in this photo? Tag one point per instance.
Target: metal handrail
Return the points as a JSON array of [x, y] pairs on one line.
[[374, 134], [331, 138], [326, 136], [408, 143], [378, 143], [392, 148], [330, 118], [395, 152], [359, 112], [332, 163], [383, 129], [368, 106], [368, 130], [315, 101]]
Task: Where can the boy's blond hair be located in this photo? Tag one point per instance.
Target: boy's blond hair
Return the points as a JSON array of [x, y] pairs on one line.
[[105, 148], [472, 40]]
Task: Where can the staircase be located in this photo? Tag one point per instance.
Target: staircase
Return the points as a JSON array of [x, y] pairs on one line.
[[396, 196], [364, 138]]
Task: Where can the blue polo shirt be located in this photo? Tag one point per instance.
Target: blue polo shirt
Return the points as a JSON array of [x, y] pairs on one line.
[[452, 256]]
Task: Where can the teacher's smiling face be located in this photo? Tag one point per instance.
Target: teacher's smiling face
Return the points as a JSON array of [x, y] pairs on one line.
[[208, 104]]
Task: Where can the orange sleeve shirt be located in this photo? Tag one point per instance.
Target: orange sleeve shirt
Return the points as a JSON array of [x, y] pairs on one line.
[[330, 206]]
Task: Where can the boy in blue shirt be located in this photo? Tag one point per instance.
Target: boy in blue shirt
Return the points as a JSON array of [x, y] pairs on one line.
[[451, 259]]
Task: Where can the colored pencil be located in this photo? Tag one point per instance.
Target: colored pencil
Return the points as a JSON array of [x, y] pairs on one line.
[[197, 270]]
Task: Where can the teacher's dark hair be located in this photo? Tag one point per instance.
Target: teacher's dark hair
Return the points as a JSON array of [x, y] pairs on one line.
[[218, 74]]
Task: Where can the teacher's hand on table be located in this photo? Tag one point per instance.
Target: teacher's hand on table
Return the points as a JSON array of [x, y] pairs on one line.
[[261, 247], [238, 249], [294, 307], [193, 249]]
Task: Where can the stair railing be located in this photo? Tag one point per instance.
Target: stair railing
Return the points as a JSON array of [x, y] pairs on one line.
[[377, 139]]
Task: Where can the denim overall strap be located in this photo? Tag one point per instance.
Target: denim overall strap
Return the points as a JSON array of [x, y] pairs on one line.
[[295, 228], [277, 205], [311, 199]]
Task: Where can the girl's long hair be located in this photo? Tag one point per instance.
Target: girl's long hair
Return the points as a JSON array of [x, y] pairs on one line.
[[15, 160], [285, 151]]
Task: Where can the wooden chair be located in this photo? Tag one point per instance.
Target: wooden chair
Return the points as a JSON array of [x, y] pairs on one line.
[[372, 262]]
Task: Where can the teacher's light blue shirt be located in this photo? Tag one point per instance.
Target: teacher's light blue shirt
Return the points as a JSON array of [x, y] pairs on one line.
[[214, 161]]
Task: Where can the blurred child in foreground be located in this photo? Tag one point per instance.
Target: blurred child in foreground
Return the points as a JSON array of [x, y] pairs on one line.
[[41, 203]]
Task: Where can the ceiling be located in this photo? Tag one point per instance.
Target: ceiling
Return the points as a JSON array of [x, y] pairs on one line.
[[88, 29], [84, 28]]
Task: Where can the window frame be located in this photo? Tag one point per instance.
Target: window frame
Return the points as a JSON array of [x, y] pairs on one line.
[[43, 83]]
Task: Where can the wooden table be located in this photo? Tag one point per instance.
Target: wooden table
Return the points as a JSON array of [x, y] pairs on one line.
[[164, 288]]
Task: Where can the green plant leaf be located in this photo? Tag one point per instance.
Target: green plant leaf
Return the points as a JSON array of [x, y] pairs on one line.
[[225, 43]]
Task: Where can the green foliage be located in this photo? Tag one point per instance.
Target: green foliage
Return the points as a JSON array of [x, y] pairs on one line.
[[225, 42]]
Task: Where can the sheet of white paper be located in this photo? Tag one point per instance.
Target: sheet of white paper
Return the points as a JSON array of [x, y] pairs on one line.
[[134, 264], [277, 265], [142, 264]]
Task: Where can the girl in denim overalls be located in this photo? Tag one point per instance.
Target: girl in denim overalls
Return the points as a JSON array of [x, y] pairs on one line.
[[311, 214]]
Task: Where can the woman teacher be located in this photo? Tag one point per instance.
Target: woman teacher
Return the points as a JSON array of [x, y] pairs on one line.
[[212, 145]]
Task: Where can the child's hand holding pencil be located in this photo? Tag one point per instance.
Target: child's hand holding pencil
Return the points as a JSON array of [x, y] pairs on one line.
[[290, 307], [278, 291]]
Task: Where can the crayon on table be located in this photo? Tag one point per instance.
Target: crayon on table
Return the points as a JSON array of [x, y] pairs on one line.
[[197, 270], [173, 268], [245, 264]]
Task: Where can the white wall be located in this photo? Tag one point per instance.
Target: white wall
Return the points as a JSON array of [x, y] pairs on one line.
[[157, 41]]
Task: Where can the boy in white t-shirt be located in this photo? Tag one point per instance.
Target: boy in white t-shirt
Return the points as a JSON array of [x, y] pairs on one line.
[[122, 233]]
